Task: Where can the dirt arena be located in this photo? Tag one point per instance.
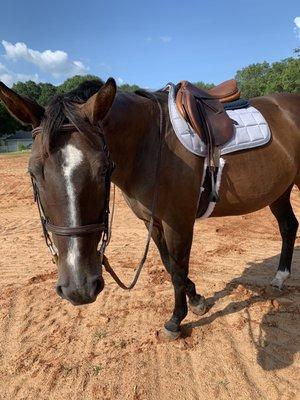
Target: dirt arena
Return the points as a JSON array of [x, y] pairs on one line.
[[245, 347]]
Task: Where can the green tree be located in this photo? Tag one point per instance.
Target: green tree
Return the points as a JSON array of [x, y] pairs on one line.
[[283, 76], [47, 92], [263, 78], [252, 80], [7, 123], [128, 88], [290, 77], [40, 92], [203, 85], [73, 82], [28, 89]]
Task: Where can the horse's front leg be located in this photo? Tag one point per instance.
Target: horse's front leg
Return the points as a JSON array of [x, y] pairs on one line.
[[175, 252], [197, 302], [178, 246]]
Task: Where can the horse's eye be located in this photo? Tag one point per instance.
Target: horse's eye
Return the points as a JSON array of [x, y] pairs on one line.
[[36, 172]]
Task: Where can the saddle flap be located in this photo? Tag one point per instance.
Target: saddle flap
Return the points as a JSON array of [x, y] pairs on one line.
[[205, 114]]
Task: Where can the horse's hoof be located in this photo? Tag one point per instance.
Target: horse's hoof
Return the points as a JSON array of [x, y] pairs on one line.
[[279, 279], [165, 335], [198, 307]]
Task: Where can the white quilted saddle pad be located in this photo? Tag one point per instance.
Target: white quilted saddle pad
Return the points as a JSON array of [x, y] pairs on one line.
[[252, 129]]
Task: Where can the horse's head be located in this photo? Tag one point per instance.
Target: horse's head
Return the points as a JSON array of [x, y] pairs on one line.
[[69, 167]]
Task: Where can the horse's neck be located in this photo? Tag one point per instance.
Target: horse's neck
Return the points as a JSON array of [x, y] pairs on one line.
[[128, 128]]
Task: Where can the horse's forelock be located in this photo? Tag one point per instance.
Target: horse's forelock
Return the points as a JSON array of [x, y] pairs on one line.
[[62, 109]]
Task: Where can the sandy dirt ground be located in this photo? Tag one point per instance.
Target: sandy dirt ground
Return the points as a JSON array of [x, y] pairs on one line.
[[245, 347]]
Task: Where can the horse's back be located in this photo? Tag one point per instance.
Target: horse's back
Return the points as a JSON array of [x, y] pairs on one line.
[[280, 108], [253, 179], [282, 113]]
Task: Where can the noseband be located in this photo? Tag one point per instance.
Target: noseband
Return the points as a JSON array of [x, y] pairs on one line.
[[81, 230]]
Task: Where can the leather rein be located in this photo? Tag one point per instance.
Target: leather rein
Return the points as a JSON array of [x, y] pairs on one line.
[[105, 226]]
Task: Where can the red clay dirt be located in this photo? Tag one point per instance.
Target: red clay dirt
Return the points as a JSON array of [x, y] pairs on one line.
[[245, 347]]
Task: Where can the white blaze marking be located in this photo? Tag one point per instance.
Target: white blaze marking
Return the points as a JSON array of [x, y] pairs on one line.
[[72, 159], [280, 278]]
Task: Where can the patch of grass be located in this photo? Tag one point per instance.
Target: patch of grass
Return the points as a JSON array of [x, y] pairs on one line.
[[99, 335], [96, 369], [66, 370]]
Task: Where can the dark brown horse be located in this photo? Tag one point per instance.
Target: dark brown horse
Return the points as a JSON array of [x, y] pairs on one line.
[[69, 169]]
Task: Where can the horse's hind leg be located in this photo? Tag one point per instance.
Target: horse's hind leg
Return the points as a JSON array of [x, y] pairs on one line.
[[288, 226], [197, 302]]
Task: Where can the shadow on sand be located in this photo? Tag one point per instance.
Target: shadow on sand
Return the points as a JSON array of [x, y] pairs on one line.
[[278, 338]]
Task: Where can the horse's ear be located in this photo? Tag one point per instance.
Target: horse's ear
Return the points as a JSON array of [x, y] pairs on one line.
[[28, 112], [99, 104]]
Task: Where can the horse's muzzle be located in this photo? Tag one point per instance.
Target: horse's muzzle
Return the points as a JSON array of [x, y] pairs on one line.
[[84, 294]]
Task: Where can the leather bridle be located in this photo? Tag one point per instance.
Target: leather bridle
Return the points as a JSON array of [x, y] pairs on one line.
[[80, 230]]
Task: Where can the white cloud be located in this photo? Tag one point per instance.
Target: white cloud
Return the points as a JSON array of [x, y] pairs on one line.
[[57, 63], [297, 27], [120, 81], [165, 39], [9, 77]]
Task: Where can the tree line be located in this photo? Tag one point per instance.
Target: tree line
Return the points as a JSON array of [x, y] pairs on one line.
[[254, 80]]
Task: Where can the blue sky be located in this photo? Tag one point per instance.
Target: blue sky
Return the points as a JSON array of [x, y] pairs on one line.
[[145, 42]]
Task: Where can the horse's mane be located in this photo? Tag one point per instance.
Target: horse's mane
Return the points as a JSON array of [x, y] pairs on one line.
[[161, 94], [62, 110]]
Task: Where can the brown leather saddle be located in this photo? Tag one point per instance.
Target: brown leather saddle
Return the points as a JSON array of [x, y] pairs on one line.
[[204, 111]]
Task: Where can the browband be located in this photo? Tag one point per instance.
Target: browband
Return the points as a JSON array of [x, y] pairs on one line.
[[63, 128]]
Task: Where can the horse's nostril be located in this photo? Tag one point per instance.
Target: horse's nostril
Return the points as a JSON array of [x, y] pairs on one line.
[[84, 294], [59, 291], [97, 286]]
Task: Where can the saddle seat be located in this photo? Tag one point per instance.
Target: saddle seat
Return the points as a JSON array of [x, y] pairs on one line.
[[226, 91], [204, 111]]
